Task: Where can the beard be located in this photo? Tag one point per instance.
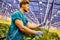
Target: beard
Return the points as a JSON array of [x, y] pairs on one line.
[[25, 10]]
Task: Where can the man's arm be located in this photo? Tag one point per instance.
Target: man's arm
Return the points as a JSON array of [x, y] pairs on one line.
[[32, 25], [23, 28]]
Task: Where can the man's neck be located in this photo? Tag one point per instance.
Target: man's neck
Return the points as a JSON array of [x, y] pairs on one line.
[[21, 9]]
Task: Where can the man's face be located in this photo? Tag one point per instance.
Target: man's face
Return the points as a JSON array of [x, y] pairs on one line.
[[25, 7]]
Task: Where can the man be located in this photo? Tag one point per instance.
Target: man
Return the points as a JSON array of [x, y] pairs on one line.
[[20, 25]]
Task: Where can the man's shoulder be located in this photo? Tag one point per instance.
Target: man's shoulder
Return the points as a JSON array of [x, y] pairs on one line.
[[15, 13]]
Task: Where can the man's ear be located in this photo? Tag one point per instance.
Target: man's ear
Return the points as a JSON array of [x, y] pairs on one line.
[[23, 5]]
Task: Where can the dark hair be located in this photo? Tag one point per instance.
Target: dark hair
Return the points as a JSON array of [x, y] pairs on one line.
[[24, 2]]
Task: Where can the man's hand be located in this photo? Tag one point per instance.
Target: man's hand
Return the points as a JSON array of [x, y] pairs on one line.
[[42, 24], [39, 33]]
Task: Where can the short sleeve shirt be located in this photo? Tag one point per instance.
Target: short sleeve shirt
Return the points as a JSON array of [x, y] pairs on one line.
[[14, 32]]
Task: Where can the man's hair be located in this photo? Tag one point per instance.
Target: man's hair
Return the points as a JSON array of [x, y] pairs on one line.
[[24, 2]]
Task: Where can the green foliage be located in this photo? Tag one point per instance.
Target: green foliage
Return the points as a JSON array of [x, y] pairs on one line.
[[3, 30], [46, 36]]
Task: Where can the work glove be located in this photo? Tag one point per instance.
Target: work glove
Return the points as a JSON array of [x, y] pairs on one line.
[[38, 33]]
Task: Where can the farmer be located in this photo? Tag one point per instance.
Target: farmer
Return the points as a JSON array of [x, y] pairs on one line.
[[20, 25]]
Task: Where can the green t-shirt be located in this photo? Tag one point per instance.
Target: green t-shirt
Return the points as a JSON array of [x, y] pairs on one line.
[[14, 32]]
